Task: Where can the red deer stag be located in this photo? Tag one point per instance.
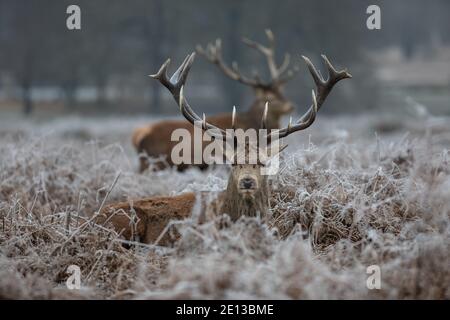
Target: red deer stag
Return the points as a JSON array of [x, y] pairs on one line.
[[247, 192], [154, 140]]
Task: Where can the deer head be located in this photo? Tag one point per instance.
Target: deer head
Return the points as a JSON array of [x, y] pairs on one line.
[[271, 91], [247, 190]]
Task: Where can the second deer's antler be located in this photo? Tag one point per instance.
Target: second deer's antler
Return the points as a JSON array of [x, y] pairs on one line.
[[279, 74]]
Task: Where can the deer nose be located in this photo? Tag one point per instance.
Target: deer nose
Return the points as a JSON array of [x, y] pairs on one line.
[[247, 183]]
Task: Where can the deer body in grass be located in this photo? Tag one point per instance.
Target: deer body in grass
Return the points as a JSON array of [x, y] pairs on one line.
[[247, 192], [154, 140]]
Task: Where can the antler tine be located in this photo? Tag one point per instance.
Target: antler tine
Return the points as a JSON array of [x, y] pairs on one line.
[[314, 73], [233, 118], [285, 64], [271, 38], [333, 73], [178, 79], [267, 52], [176, 87], [161, 75], [258, 46], [180, 76], [264, 117], [324, 87], [279, 74], [213, 53], [193, 118], [300, 125], [204, 121]]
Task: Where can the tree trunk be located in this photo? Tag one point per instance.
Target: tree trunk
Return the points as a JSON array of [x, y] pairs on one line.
[[156, 41], [101, 89], [27, 101], [233, 92], [69, 97]]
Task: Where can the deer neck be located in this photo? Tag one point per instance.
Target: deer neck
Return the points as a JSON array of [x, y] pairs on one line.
[[236, 205]]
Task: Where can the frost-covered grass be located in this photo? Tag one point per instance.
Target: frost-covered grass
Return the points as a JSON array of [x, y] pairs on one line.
[[345, 199]]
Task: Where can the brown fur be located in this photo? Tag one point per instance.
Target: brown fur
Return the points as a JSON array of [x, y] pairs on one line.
[[146, 219], [237, 203]]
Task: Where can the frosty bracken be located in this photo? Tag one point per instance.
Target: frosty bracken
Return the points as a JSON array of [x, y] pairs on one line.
[[247, 192]]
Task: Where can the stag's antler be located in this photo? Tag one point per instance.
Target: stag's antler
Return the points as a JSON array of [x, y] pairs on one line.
[[176, 87], [178, 79], [324, 87], [279, 74], [176, 84]]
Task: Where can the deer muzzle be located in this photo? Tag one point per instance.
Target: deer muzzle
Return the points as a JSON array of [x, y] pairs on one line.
[[248, 183]]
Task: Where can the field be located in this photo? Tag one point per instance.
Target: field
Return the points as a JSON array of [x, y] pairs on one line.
[[352, 192]]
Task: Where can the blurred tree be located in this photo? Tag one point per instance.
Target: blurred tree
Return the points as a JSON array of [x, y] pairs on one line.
[[122, 43], [26, 47], [155, 36], [232, 49], [146, 23]]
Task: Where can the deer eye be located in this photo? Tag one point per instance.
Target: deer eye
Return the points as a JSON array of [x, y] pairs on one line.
[[254, 166]]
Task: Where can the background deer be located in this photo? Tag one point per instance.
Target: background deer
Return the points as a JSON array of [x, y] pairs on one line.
[[154, 140], [247, 192]]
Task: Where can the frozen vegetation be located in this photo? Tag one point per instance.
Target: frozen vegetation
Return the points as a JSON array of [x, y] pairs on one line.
[[352, 192]]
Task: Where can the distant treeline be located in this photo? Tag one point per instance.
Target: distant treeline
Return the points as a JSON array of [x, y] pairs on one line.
[[106, 63]]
